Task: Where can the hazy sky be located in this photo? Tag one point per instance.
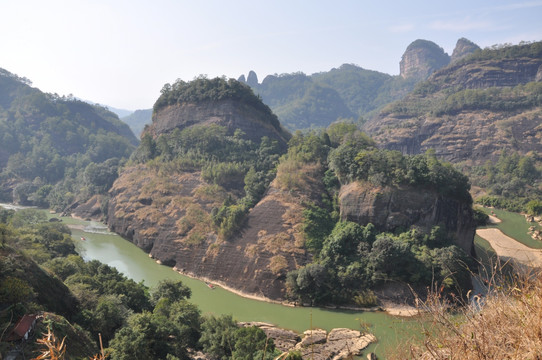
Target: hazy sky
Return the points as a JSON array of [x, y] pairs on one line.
[[121, 53]]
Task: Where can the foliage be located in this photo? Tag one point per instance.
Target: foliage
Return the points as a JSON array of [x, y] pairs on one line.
[[223, 339], [231, 162], [218, 89], [316, 101], [171, 290], [385, 167], [513, 181], [355, 258], [48, 141]]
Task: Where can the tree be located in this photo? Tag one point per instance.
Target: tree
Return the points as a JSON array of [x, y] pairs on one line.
[[173, 290], [218, 336], [249, 341]]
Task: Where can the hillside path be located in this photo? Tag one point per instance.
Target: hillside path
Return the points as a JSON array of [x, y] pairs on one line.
[[506, 246]]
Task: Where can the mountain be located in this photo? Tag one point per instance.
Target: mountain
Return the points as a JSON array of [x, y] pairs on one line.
[[471, 110], [302, 101], [137, 120], [47, 141], [348, 92], [218, 190], [421, 59]]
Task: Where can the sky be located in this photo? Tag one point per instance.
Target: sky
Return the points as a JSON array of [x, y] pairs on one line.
[[121, 53]]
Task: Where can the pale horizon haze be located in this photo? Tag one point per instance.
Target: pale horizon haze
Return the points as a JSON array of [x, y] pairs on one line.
[[121, 53]]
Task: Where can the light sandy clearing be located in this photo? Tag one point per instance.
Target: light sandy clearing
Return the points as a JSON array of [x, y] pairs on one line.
[[506, 246]]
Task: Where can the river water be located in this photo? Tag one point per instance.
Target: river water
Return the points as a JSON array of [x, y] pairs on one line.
[[111, 249]]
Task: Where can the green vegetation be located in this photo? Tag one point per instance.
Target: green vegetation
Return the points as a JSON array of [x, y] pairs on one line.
[[94, 298], [240, 169], [514, 182], [351, 259], [348, 92], [218, 89], [53, 148], [507, 51]]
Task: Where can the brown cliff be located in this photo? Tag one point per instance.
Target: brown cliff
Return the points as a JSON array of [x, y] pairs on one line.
[[391, 209], [171, 219], [229, 113], [470, 110], [421, 59]]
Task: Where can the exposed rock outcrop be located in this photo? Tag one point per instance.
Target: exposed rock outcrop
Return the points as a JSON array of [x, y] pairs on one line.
[[175, 227], [318, 344], [338, 344], [464, 125], [228, 113], [252, 79], [390, 209], [421, 59], [463, 47]]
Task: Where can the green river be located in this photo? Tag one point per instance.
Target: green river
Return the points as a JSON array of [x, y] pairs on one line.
[[111, 249]]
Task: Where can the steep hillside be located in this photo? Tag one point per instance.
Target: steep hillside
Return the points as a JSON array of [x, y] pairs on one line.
[[207, 193], [421, 59], [471, 110], [45, 139]]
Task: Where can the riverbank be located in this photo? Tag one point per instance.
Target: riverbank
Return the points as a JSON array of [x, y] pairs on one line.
[[507, 247]]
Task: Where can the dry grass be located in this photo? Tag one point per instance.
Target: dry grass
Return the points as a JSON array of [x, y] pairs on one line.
[[52, 349], [504, 324], [277, 264]]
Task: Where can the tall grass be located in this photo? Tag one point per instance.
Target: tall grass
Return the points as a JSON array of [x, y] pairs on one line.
[[505, 323]]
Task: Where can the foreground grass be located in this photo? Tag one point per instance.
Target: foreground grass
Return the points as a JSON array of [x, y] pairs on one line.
[[504, 324]]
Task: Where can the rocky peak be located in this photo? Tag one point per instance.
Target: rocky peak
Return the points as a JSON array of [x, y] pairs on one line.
[[421, 59], [252, 79], [242, 79], [463, 47]]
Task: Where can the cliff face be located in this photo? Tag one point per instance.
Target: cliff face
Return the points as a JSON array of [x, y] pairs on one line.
[[421, 59], [489, 73], [175, 227], [390, 209], [228, 113], [470, 110]]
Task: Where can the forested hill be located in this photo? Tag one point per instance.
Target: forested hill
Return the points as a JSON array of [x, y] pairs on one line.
[[314, 101], [216, 191], [53, 147]]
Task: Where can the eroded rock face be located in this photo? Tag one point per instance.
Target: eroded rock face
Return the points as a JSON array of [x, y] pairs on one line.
[[463, 47], [421, 59], [338, 344], [228, 113], [170, 218], [390, 209]]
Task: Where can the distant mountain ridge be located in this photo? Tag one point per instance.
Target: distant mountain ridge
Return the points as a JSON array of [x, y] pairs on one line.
[[472, 109], [304, 101]]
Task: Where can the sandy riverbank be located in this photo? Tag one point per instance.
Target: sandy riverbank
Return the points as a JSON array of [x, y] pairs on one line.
[[508, 247]]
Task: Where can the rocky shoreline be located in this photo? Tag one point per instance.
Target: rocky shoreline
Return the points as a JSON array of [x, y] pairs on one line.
[[318, 344]]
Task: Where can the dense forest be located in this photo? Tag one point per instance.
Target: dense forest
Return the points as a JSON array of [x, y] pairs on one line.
[[350, 259], [40, 272], [56, 150], [314, 101]]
